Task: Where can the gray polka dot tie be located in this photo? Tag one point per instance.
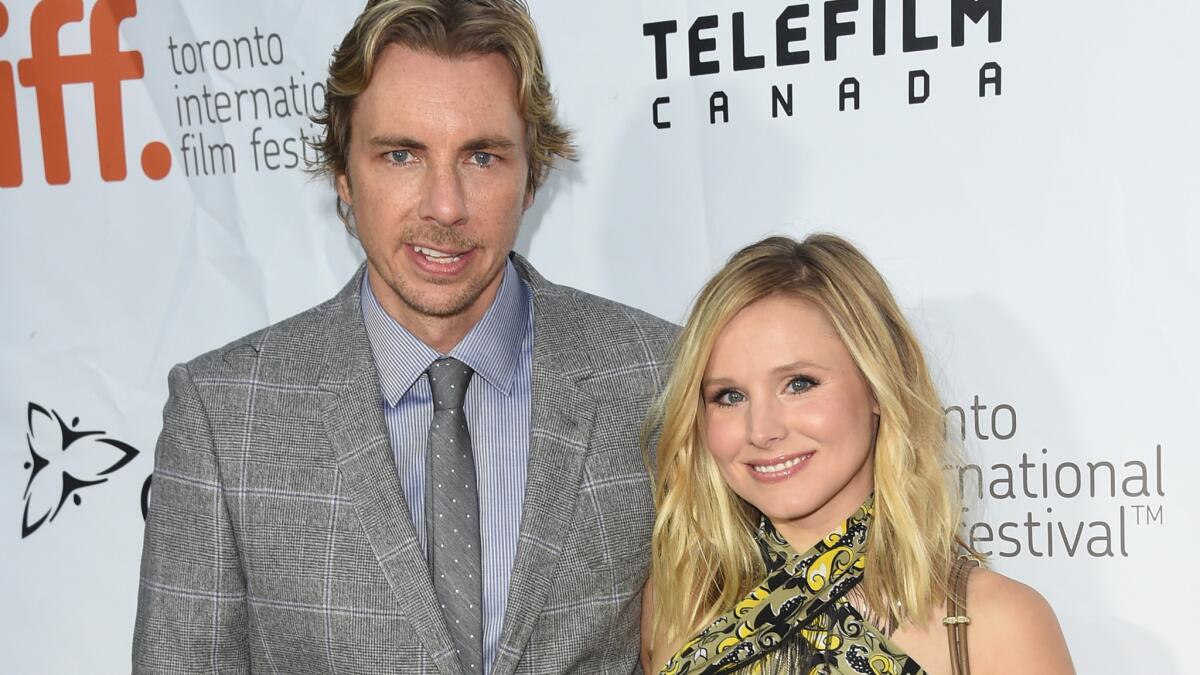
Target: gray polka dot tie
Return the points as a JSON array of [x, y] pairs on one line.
[[452, 513]]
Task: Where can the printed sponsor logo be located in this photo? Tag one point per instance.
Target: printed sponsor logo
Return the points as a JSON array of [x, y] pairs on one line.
[[719, 46], [63, 461], [48, 71], [1044, 505]]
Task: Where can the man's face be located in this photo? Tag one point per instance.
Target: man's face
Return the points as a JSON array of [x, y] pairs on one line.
[[436, 178]]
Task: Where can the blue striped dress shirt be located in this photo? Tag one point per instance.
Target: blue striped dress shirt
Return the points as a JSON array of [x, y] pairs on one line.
[[500, 351]]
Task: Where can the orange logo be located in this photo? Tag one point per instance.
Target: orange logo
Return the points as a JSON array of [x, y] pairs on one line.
[[48, 70]]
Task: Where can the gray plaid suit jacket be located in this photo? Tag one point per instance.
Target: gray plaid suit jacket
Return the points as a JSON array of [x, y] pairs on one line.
[[278, 539]]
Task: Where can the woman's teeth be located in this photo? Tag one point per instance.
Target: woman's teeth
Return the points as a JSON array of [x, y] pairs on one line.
[[782, 466]]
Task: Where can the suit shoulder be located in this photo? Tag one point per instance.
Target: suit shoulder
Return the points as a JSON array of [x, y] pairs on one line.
[[295, 340], [627, 350], [609, 321]]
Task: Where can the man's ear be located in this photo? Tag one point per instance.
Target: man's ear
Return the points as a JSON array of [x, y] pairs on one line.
[[341, 182], [528, 199]]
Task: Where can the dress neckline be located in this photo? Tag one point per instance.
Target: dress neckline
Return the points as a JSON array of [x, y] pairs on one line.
[[800, 610]]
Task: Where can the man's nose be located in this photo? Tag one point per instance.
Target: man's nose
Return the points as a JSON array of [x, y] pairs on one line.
[[443, 199]]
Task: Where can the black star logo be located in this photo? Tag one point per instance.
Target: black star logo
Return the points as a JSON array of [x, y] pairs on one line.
[[63, 460]]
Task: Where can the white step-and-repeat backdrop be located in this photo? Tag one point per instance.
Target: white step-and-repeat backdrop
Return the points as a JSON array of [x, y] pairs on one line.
[[1025, 173]]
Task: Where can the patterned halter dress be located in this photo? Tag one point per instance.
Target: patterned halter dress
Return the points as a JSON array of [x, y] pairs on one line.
[[802, 618]]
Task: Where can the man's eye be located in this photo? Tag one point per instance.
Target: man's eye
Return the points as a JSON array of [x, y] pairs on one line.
[[483, 158], [400, 156], [800, 385]]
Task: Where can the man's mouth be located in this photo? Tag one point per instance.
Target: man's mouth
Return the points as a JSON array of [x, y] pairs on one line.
[[438, 257]]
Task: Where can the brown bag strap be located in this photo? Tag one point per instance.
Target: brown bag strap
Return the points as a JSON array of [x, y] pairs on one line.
[[956, 620]]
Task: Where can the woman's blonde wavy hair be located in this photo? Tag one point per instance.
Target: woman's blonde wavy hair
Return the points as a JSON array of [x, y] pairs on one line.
[[704, 555], [450, 28]]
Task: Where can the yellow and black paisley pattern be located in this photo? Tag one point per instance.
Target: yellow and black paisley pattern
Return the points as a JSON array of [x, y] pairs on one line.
[[799, 619]]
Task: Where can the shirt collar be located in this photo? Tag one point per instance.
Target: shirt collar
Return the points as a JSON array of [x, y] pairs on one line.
[[492, 348]]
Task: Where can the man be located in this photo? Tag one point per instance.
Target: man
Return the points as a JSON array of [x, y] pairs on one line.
[[438, 470]]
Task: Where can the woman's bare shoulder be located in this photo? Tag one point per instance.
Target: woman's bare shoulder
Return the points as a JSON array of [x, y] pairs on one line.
[[1013, 628]]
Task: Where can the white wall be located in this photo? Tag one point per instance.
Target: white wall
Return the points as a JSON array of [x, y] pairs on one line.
[[1043, 240]]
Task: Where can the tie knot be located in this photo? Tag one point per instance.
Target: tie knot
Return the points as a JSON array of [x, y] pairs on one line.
[[448, 378]]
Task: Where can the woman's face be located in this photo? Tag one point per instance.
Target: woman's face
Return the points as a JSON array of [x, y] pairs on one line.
[[789, 419]]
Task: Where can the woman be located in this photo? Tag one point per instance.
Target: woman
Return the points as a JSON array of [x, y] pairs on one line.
[[804, 524]]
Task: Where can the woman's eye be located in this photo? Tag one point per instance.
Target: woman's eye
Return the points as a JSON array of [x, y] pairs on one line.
[[400, 156], [483, 158], [800, 385], [729, 397]]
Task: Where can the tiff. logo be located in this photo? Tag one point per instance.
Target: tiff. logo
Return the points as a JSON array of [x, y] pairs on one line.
[[48, 71]]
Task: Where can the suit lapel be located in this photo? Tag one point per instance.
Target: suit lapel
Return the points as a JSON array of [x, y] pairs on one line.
[[353, 418], [561, 418]]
